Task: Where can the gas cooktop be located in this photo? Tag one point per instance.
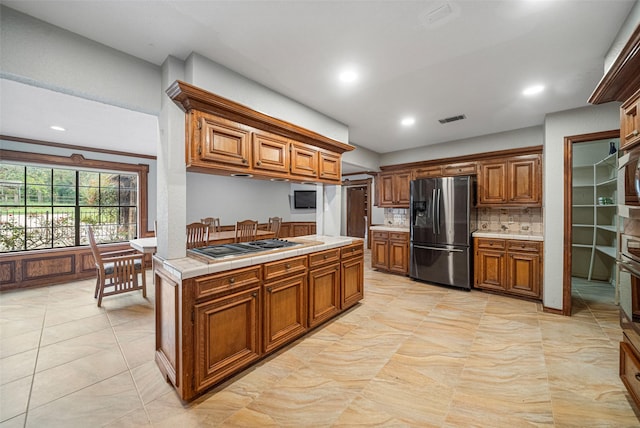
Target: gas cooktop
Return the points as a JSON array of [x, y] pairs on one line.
[[241, 248]]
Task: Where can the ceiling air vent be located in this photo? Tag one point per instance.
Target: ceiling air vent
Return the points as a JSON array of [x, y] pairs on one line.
[[452, 119]]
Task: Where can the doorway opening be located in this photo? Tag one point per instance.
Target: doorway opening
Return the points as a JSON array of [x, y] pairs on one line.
[[590, 220], [358, 208]]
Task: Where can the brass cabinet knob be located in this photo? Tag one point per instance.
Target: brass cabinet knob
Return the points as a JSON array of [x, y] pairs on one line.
[[269, 289], [232, 280], [287, 266], [259, 163]]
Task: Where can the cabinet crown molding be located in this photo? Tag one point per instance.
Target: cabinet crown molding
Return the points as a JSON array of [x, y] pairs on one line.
[[189, 97]]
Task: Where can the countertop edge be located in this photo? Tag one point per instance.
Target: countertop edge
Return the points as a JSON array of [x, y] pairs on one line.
[[507, 235]]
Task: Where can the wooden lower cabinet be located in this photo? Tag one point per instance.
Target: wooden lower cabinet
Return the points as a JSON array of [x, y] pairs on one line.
[[324, 286], [211, 327], [284, 311], [390, 251], [227, 336], [352, 275], [509, 266]]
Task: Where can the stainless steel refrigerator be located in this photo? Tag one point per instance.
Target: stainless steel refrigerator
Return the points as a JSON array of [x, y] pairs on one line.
[[440, 234]]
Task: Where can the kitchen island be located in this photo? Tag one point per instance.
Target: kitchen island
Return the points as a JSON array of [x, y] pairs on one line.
[[215, 318]]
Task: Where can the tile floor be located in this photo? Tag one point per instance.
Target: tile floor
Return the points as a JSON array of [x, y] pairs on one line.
[[410, 354]]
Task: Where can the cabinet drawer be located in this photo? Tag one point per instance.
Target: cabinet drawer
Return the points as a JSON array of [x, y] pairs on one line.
[[285, 267], [226, 282], [630, 370], [399, 236], [527, 246], [352, 250], [380, 235], [460, 169], [490, 243], [430, 171], [323, 257]]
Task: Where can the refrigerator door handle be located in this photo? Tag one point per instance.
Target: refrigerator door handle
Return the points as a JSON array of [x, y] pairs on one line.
[[450, 250], [433, 210], [438, 212]]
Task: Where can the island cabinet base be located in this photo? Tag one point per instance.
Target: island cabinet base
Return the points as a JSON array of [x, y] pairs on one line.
[[211, 327]]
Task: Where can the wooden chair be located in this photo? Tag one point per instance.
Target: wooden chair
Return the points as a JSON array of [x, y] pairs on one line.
[[274, 225], [246, 231], [213, 223], [197, 235], [117, 270]]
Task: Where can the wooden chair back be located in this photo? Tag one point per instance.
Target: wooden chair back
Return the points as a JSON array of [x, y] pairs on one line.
[[212, 222], [197, 235], [246, 231], [274, 225], [117, 271]]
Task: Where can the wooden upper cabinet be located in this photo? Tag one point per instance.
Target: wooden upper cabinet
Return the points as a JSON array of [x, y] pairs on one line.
[[466, 168], [515, 181], [329, 166], [630, 122], [492, 181], [525, 180], [222, 141], [225, 138], [304, 160], [394, 189], [428, 172], [270, 152]]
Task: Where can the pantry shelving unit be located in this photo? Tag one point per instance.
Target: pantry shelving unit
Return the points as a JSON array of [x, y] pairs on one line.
[[595, 220]]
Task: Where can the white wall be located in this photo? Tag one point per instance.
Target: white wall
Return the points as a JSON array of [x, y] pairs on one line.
[[362, 159], [558, 126], [629, 25], [525, 137], [43, 55]]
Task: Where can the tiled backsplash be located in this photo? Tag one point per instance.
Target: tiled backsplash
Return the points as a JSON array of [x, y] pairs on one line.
[[489, 219], [512, 219], [396, 217]]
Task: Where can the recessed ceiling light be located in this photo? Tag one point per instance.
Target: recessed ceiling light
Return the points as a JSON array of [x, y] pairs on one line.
[[348, 76], [533, 90], [408, 121], [57, 128]]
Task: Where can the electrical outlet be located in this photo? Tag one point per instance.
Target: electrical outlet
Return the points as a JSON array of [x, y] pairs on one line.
[[510, 219]]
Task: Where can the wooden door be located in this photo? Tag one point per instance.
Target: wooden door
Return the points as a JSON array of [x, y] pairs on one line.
[[524, 178], [523, 274], [356, 211], [492, 183], [284, 311], [352, 282], [324, 293], [227, 336]]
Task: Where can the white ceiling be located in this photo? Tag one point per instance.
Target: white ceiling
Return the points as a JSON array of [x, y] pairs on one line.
[[475, 61]]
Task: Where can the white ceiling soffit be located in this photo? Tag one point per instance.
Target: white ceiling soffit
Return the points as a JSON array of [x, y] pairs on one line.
[[426, 59], [29, 112]]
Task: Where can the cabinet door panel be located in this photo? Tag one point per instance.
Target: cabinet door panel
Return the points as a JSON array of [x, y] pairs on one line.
[[324, 293], [352, 282], [380, 254], [524, 181], [227, 336], [524, 274], [284, 311], [630, 122], [402, 185], [329, 166], [492, 185], [399, 257], [304, 160], [490, 270], [385, 192], [224, 142], [270, 152]]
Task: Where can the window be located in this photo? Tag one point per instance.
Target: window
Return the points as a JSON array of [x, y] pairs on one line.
[[44, 206]]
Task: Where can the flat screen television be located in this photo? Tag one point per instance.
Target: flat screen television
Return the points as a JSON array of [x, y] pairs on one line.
[[304, 199]]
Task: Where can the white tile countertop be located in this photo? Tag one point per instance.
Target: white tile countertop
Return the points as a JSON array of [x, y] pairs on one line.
[[508, 234], [391, 228], [189, 267]]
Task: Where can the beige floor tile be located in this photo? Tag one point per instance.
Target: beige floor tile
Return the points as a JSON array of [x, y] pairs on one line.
[[149, 382], [78, 347], [71, 329], [17, 366], [14, 397], [19, 343], [16, 422]]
